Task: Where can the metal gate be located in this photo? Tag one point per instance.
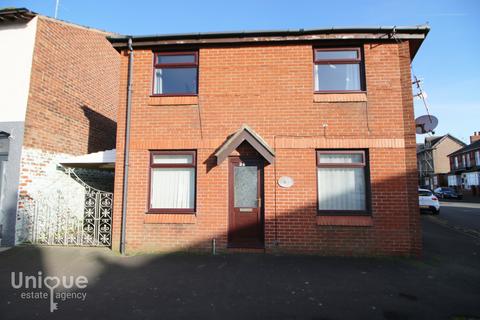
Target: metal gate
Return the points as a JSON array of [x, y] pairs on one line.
[[54, 222]]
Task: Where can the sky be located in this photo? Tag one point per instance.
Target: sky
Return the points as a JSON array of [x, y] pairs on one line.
[[447, 62]]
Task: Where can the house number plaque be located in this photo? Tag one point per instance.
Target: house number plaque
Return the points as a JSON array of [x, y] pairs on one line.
[[285, 182]]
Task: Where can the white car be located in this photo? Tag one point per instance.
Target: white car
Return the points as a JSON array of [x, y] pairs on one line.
[[428, 201]]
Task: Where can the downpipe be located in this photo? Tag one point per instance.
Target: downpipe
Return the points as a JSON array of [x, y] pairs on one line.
[[127, 147]]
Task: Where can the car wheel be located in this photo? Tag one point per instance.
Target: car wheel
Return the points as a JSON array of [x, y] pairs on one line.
[[436, 212]]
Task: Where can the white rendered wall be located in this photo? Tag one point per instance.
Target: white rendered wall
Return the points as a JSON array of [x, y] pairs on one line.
[[46, 185], [16, 42]]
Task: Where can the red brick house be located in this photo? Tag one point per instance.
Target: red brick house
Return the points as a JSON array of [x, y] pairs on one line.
[[284, 141], [465, 167]]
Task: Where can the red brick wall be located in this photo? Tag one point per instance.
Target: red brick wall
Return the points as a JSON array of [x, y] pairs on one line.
[[71, 108], [270, 88], [73, 90]]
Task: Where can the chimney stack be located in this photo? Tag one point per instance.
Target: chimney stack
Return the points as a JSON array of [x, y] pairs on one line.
[[475, 137]]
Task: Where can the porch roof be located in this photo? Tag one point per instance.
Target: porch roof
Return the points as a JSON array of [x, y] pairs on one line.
[[99, 160], [245, 133]]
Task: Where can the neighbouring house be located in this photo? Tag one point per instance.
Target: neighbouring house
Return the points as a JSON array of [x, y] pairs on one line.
[[59, 89], [299, 141], [465, 166], [433, 162]]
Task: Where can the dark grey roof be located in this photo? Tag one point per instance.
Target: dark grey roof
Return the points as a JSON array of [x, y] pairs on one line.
[[416, 34], [420, 29], [420, 147], [433, 139], [9, 15], [470, 147]]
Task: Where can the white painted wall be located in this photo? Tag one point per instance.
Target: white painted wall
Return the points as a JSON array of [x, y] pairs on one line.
[[48, 185], [16, 42]]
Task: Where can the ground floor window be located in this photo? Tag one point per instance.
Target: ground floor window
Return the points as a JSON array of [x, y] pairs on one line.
[[342, 181], [172, 181]]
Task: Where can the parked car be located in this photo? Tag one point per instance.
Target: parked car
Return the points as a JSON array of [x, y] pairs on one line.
[[447, 193], [428, 201], [425, 187]]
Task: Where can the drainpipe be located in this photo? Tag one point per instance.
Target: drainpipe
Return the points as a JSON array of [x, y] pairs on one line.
[[127, 147]]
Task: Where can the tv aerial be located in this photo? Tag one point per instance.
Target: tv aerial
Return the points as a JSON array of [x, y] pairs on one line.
[[426, 123]]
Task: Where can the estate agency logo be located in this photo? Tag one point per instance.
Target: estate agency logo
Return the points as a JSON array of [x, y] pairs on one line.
[[35, 287]]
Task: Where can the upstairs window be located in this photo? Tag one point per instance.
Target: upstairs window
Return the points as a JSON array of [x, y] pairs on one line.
[[175, 73], [456, 162], [477, 158], [338, 70]]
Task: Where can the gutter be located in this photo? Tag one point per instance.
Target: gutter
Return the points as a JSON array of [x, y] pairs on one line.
[[415, 35], [127, 147], [407, 30]]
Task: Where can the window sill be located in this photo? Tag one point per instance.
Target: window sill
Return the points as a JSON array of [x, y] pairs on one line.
[[170, 218], [354, 221], [340, 97], [172, 100]]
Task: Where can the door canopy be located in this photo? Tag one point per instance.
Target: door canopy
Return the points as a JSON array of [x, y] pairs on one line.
[[245, 133]]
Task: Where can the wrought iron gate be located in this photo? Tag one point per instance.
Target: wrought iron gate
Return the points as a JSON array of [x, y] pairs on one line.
[[55, 223]]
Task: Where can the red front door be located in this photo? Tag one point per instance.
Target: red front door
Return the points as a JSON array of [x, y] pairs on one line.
[[245, 202]]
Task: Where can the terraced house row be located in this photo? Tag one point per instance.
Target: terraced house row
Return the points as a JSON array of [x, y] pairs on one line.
[[296, 141]]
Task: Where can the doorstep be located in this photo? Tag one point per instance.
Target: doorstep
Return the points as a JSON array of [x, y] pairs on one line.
[[253, 245], [245, 250]]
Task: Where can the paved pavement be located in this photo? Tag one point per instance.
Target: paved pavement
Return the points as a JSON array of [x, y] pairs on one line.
[[461, 215], [444, 284], [470, 198]]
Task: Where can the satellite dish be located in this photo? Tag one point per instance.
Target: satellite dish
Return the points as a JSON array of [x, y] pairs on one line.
[[425, 124]]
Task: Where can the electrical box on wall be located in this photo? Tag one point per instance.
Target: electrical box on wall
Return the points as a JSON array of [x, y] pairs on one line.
[[4, 145]]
